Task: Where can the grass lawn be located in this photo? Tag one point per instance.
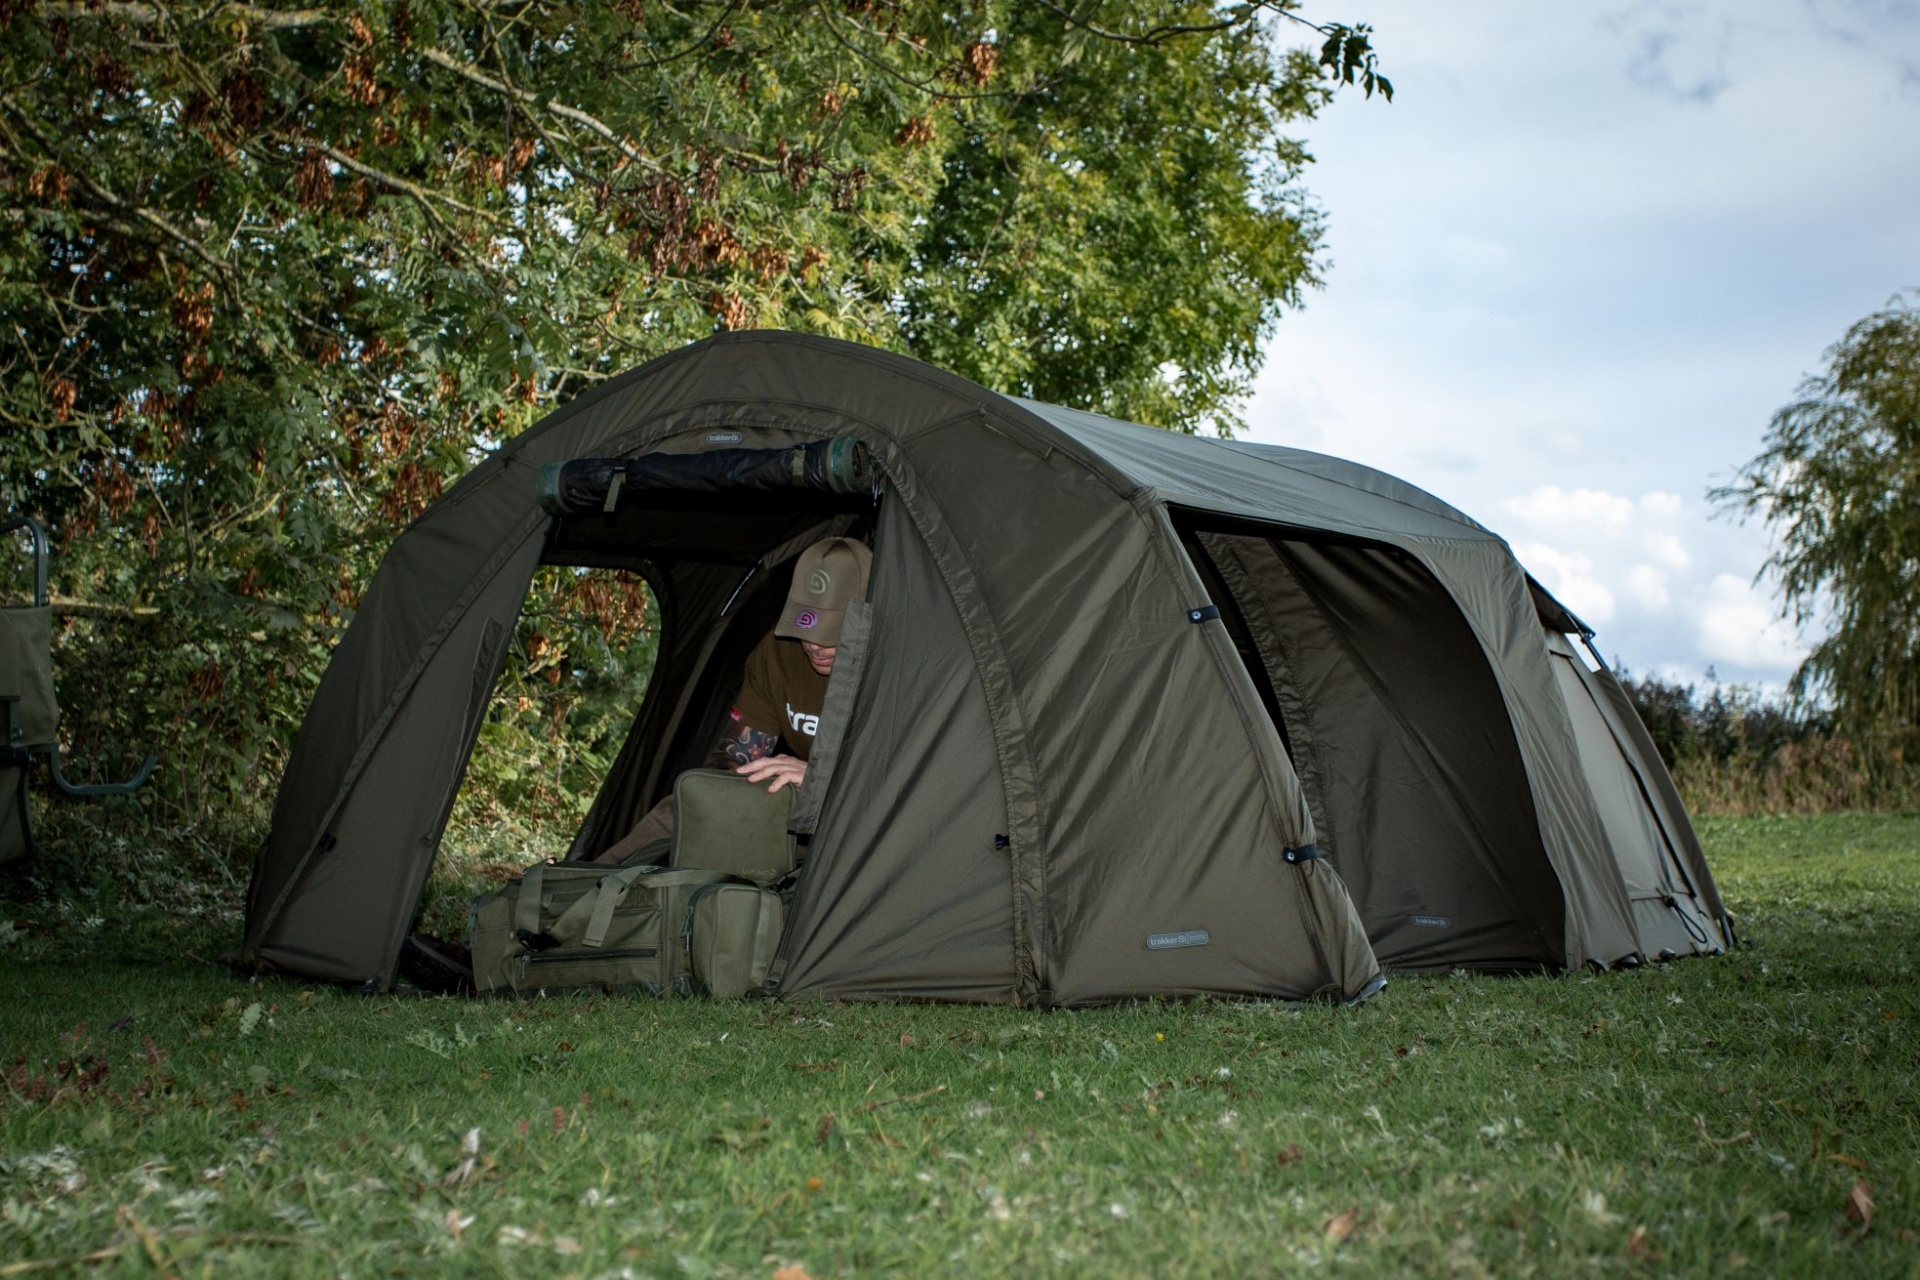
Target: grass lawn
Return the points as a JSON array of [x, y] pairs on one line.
[[1756, 1114]]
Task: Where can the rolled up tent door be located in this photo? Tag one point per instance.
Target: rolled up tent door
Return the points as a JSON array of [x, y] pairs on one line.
[[839, 465]]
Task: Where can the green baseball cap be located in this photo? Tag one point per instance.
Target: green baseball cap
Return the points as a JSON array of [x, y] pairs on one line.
[[829, 573]]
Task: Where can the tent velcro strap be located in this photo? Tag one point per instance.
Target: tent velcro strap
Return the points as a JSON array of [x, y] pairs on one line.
[[1204, 613], [612, 891], [526, 911], [1305, 853]]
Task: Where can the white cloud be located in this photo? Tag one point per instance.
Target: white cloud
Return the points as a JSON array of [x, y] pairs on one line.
[[1666, 548], [1740, 628], [1649, 588], [1552, 507], [1667, 587], [1546, 308], [1572, 579]]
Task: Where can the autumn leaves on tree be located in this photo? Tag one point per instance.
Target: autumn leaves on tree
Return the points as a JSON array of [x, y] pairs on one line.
[[274, 276]]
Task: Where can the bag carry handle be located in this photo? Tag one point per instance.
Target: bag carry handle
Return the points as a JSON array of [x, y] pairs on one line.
[[588, 917], [526, 911]]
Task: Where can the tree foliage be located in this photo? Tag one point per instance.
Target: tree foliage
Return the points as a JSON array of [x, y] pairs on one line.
[[1839, 485], [271, 277]]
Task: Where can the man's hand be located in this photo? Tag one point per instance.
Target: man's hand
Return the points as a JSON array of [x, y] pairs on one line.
[[783, 771]]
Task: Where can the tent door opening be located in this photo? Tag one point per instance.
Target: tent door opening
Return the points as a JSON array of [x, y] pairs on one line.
[[715, 535], [1398, 731]]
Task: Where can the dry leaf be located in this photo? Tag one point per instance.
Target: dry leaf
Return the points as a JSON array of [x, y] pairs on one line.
[[1340, 1226], [1860, 1205], [1850, 1161], [794, 1272], [1290, 1156]]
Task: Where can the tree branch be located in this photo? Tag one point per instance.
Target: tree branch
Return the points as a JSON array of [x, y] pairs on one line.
[[114, 201], [1157, 35], [468, 71], [423, 196], [833, 20], [137, 14]]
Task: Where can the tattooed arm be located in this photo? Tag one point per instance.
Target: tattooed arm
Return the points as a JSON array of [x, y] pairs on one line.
[[742, 744], [749, 752]]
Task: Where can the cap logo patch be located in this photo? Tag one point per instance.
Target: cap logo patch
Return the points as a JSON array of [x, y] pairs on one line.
[[819, 582], [806, 620]]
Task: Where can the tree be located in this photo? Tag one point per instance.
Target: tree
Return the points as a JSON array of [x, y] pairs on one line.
[[1839, 485], [272, 276]]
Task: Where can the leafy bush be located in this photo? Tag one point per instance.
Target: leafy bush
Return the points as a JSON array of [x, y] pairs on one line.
[[1734, 749]]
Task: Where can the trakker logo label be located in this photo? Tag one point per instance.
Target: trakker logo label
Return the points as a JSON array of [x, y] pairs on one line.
[[806, 620]]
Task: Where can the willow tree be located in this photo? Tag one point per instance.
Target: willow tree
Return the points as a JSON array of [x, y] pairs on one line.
[[1838, 484], [272, 276]]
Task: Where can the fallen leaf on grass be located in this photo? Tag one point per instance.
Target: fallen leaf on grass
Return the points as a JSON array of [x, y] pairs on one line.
[[470, 1159], [1860, 1205], [1290, 1156], [1850, 1161], [1595, 1203], [1700, 1126], [922, 1096], [1641, 1245], [1341, 1225], [794, 1272]]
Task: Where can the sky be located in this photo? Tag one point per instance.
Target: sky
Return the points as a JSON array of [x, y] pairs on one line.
[[1577, 264]]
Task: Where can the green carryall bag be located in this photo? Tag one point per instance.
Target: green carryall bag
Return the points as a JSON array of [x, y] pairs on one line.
[[724, 822], [731, 935], [568, 926]]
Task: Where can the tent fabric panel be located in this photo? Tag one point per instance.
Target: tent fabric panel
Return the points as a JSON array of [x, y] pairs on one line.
[[1261, 481], [1420, 796], [1638, 843], [355, 901], [425, 581], [1492, 592], [1160, 809], [1668, 907], [1639, 846], [420, 595], [1637, 745], [904, 893]]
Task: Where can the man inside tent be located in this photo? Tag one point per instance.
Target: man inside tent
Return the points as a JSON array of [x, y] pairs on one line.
[[771, 726]]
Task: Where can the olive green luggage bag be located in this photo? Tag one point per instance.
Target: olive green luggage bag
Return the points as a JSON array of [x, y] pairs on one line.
[[570, 926]]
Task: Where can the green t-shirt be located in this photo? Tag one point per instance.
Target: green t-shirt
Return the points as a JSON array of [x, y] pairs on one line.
[[781, 695]]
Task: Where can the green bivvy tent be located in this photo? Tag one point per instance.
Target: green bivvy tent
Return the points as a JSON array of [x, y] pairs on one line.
[[1126, 713]]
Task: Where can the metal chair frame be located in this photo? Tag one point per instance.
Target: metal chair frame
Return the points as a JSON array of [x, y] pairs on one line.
[[20, 754]]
